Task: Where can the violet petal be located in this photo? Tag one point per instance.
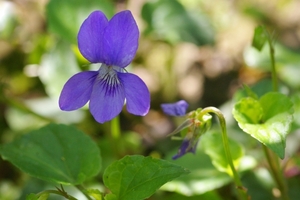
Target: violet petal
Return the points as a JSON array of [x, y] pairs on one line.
[[90, 37], [77, 90], [175, 109], [136, 93], [107, 100], [185, 147], [121, 39]]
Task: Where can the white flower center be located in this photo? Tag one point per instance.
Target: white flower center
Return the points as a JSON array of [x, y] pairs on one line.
[[109, 74]]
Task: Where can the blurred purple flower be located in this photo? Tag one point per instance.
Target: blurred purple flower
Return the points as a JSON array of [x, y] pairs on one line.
[[192, 124], [114, 44], [186, 146], [175, 109]]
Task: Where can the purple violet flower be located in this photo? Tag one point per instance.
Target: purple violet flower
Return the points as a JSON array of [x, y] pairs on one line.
[[113, 43]]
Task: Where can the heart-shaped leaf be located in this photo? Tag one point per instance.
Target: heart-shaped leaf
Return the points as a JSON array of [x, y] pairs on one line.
[[268, 120], [55, 153], [138, 177]]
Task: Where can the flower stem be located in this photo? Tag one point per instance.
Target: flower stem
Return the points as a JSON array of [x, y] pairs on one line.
[[242, 191], [276, 172], [273, 159], [273, 67], [115, 127]]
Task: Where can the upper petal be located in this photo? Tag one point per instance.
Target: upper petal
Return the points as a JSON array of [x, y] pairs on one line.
[[121, 39], [107, 99], [137, 94], [77, 90], [175, 109], [90, 37]]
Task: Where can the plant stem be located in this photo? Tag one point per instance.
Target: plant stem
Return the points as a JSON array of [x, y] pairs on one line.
[[276, 172], [273, 68], [242, 191], [273, 159], [115, 127], [83, 190]]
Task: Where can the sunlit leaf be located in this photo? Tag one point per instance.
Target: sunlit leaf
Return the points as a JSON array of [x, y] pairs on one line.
[[268, 120], [55, 153], [96, 194], [212, 144], [138, 177]]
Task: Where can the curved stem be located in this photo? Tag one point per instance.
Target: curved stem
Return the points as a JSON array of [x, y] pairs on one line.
[[242, 192]]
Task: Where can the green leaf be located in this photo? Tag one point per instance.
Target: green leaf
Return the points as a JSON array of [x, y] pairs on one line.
[[32, 196], [211, 143], [260, 38], [65, 17], [56, 153], [204, 177], [96, 194], [250, 110], [255, 91], [268, 120], [169, 20], [138, 177], [43, 196], [111, 197], [207, 196]]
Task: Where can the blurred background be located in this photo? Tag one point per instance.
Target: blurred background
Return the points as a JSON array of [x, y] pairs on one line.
[[195, 50]]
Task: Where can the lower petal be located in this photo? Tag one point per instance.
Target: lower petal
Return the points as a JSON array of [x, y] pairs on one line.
[[107, 100], [186, 146], [77, 91], [137, 94]]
